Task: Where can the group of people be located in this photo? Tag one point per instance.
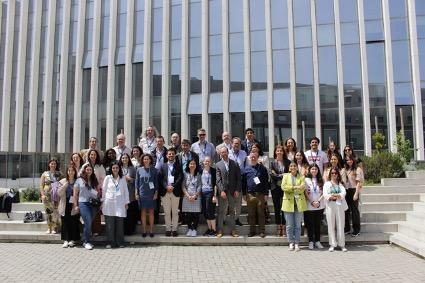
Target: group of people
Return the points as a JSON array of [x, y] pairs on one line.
[[128, 185]]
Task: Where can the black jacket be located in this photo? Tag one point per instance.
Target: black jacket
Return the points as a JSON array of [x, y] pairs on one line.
[[178, 179]]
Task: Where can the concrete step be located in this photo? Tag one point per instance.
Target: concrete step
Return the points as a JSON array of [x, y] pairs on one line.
[[415, 174], [392, 189], [416, 217], [409, 243], [383, 216], [27, 206], [419, 207], [402, 181], [399, 197], [182, 240], [16, 215], [386, 206], [412, 230]]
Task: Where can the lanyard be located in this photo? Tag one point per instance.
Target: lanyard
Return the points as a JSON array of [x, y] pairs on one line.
[[314, 186], [314, 159], [280, 166], [204, 149], [150, 143], [206, 176], [144, 178], [170, 168], [116, 184], [159, 155]]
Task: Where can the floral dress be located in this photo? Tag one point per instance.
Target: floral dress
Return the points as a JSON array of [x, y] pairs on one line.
[[49, 188]]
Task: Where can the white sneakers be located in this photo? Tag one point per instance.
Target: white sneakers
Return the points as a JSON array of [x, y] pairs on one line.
[[88, 246], [331, 248], [318, 245], [71, 244], [191, 233], [108, 246], [297, 248], [291, 247], [344, 249], [65, 244], [311, 246]]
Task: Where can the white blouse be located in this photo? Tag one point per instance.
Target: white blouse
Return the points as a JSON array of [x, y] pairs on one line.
[[114, 197], [314, 193]]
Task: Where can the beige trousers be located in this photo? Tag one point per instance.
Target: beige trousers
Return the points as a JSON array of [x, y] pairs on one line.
[[335, 216], [170, 203]]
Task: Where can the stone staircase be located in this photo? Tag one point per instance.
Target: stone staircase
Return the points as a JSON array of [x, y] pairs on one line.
[[411, 231], [386, 210]]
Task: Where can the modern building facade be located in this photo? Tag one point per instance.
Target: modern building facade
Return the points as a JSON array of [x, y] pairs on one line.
[[336, 69]]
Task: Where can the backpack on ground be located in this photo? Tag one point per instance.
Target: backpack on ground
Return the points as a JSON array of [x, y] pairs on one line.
[[6, 203]]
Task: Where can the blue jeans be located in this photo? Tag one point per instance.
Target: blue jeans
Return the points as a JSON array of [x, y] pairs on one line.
[[293, 226], [88, 213]]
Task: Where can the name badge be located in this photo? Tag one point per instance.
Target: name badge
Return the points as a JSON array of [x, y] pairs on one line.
[[257, 180], [171, 179], [151, 185], [338, 202]]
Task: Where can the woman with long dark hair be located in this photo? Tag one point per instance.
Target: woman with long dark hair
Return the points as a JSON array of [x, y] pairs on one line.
[[70, 233], [290, 146], [49, 184], [315, 206], [191, 205], [279, 166], [85, 201], [110, 156], [129, 174]]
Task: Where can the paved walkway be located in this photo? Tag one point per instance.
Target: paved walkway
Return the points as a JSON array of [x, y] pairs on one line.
[[42, 262]]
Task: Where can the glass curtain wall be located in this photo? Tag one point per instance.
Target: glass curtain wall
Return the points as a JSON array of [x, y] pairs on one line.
[[236, 66], [353, 95], [155, 99], [87, 63], [2, 49], [215, 108], [72, 51], [103, 73], [281, 76], [375, 49], [28, 60], [303, 71], [328, 80], [420, 25], [175, 67], [137, 76], [120, 68], [403, 90]]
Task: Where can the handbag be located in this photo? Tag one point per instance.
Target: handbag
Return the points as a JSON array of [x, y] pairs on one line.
[[95, 201]]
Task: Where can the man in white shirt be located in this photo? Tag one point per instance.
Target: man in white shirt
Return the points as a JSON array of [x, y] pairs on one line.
[[92, 145], [121, 148], [203, 148], [316, 156], [227, 142], [148, 142]]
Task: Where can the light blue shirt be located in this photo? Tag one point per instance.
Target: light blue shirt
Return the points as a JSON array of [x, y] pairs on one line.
[[203, 150], [239, 158]]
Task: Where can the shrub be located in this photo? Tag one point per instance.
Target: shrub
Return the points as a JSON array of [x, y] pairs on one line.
[[31, 194], [404, 147], [383, 164], [378, 140]]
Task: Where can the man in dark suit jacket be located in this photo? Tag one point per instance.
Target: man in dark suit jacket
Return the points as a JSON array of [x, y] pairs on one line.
[[248, 141], [186, 155], [170, 189], [229, 186]]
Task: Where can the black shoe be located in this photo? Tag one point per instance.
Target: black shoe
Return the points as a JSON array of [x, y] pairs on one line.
[[168, 234], [212, 233], [151, 235], [174, 233], [355, 234], [144, 235], [251, 234], [237, 222], [207, 232]]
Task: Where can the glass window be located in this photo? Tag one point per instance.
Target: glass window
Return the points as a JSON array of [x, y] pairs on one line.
[[282, 99], [258, 40], [237, 101], [215, 16], [195, 24], [376, 63], [259, 100], [195, 47], [349, 33], [176, 48], [256, 14], [176, 22], [324, 12], [403, 93], [140, 5], [215, 104], [157, 25], [237, 121], [195, 75], [401, 61], [137, 101], [215, 44], [399, 29], [281, 77], [397, 8], [236, 43], [348, 10], [302, 36], [326, 35], [216, 127], [304, 66], [301, 12], [374, 30], [372, 9], [216, 73], [280, 38], [421, 52], [259, 72], [237, 80], [420, 7], [139, 27], [420, 24], [235, 16], [195, 103], [351, 64], [327, 65], [279, 14]]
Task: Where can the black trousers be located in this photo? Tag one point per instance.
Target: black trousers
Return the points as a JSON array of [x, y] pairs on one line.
[[70, 225], [192, 219], [277, 196], [353, 209], [313, 219], [133, 215]]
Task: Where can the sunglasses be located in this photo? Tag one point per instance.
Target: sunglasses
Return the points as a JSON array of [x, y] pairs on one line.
[[202, 135], [334, 173]]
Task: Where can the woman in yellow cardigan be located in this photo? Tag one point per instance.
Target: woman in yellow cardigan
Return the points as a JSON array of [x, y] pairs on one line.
[[293, 204]]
